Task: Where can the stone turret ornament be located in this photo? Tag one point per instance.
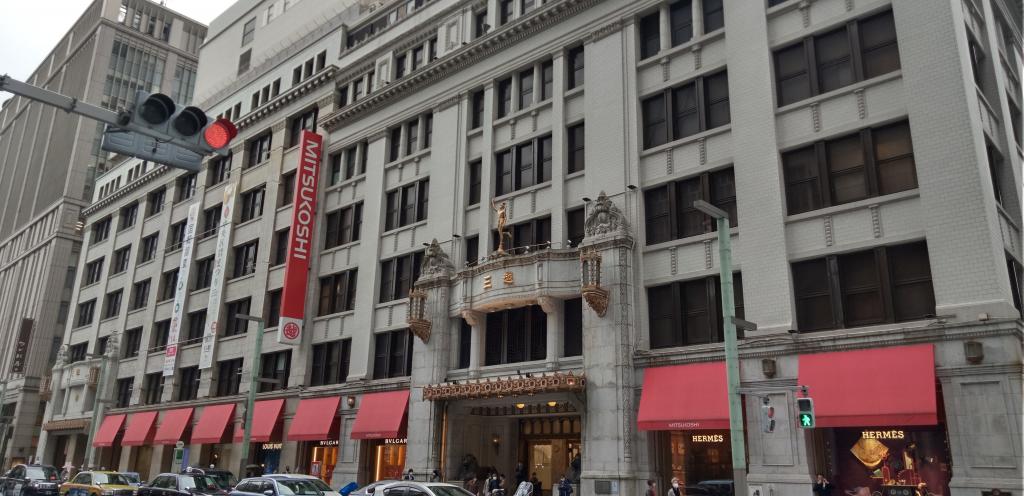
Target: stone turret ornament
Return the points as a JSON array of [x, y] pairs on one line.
[[605, 218], [436, 261]]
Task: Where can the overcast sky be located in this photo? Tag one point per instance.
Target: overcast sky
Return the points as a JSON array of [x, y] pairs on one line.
[[30, 29]]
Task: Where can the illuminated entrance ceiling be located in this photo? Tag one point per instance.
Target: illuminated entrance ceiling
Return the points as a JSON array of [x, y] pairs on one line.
[[506, 386]]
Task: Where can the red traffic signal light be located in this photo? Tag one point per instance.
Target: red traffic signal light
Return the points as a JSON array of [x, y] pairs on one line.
[[219, 134]]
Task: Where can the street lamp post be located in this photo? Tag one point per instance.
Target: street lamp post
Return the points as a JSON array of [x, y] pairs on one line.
[[732, 363], [250, 400]]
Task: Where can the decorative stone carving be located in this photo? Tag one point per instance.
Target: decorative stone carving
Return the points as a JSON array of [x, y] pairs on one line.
[[416, 314], [547, 304], [436, 261], [605, 218], [62, 355], [593, 293], [473, 318], [507, 386]]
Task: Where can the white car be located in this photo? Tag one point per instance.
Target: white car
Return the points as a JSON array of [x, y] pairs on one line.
[[412, 488], [283, 485]]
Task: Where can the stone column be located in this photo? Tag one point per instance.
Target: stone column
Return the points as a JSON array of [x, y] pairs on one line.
[[553, 308], [665, 27], [55, 377], [430, 360], [698, 17], [476, 341]]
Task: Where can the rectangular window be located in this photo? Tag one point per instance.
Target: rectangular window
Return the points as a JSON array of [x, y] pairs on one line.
[[869, 163], [112, 304], [526, 88], [476, 109], [177, 236], [185, 187], [204, 273], [229, 377], [572, 325], [76, 353], [523, 166], [714, 16], [472, 250], [272, 308], [155, 201], [305, 121], [650, 35], [234, 325], [547, 80], [465, 344], [188, 383], [395, 144], [407, 204], [533, 233], [504, 97], [516, 335], [343, 226], [153, 388], [995, 170], [85, 313], [132, 343], [252, 203], [577, 145], [669, 212], [574, 68], [248, 31], [124, 391], [276, 368], [243, 61], [259, 150], [397, 276], [160, 335], [93, 271], [859, 50], [127, 216], [1016, 272], [280, 253], [100, 230], [681, 21], [286, 189], [338, 292], [196, 326], [331, 362], [168, 281], [474, 182], [694, 107], [120, 260], [416, 58], [574, 221], [480, 26], [504, 11], [686, 313], [245, 259], [392, 354], [211, 221], [412, 137], [882, 285]]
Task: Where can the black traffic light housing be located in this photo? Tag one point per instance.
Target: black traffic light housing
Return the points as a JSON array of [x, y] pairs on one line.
[[805, 413]]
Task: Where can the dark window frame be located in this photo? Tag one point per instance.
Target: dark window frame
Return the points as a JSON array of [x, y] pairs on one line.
[[676, 114], [675, 323], [398, 274], [338, 292], [682, 219]]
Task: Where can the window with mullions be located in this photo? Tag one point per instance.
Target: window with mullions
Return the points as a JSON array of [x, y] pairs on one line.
[[859, 50], [338, 292], [407, 204], [112, 304], [882, 285], [85, 312], [525, 88], [252, 203], [303, 122], [523, 165], [343, 226], [149, 247], [465, 343], [505, 11], [650, 35], [1016, 272], [331, 362], [685, 110], [124, 391], [535, 232], [168, 283], [132, 343], [686, 313], [575, 220], [475, 171], [397, 276], [204, 273], [188, 383], [93, 272], [119, 263], [100, 230], [276, 367], [229, 377], [259, 150], [272, 308], [161, 333], [155, 201], [186, 187], [516, 335], [577, 146], [245, 259], [869, 163], [234, 324], [476, 109], [669, 212], [211, 221], [392, 354], [140, 295], [196, 326], [153, 388], [286, 189], [572, 326], [714, 15], [503, 96]]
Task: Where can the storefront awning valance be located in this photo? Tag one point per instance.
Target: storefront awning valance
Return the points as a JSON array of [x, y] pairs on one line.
[[108, 430], [265, 416], [681, 397], [381, 415], [139, 431], [172, 427], [315, 419], [213, 423], [498, 387], [872, 387], [65, 425]]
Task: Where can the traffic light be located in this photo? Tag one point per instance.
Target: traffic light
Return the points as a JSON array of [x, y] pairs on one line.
[[186, 133], [805, 412], [767, 417]]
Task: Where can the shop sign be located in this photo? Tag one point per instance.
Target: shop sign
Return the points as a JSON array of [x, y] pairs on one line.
[[180, 290], [21, 347], [217, 278], [271, 446], [296, 268], [329, 442], [891, 434], [396, 440], [708, 438]]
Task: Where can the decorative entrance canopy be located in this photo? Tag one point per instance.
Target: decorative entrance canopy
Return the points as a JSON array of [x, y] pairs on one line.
[[507, 386]]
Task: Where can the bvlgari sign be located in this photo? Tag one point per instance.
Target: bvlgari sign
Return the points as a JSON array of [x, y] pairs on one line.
[[296, 268]]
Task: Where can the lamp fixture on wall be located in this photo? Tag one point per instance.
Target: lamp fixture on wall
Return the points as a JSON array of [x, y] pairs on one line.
[[350, 401], [496, 442]]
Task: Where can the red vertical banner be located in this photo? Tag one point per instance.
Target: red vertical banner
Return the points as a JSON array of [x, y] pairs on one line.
[[300, 239]]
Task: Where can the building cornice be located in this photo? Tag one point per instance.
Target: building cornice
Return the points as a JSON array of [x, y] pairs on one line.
[[120, 194], [458, 60], [288, 97]]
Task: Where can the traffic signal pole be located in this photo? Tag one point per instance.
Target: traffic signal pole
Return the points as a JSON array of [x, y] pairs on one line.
[[118, 120]]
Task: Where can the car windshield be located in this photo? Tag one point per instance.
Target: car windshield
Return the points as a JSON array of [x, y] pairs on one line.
[[450, 491], [225, 480], [41, 473], [200, 482], [134, 478], [298, 487], [111, 479], [319, 484]]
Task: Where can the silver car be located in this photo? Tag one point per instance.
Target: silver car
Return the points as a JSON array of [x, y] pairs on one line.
[[411, 488], [372, 488]]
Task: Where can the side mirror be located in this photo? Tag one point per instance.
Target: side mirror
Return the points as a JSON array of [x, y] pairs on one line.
[[268, 492]]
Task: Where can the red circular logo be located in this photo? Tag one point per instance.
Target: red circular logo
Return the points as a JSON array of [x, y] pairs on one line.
[[291, 330]]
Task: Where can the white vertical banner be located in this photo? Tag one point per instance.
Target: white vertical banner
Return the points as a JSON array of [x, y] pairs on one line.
[[181, 290], [220, 257]]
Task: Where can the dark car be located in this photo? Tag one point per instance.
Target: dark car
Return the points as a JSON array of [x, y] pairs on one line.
[[181, 485], [31, 480], [224, 478]]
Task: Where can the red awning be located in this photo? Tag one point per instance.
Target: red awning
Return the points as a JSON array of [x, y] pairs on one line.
[[264, 421], [381, 415], [874, 387], [213, 423], [683, 397], [173, 425], [139, 431], [316, 419], [108, 430]]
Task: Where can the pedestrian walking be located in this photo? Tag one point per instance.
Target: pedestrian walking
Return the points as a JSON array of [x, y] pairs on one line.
[[675, 490], [822, 487], [652, 488], [564, 486], [409, 476], [538, 488]]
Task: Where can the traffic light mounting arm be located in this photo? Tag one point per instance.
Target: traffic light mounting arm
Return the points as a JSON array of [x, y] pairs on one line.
[[73, 105]]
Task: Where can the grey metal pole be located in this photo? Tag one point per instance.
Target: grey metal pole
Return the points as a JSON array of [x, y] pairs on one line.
[[732, 361], [4, 422], [97, 403], [250, 400]]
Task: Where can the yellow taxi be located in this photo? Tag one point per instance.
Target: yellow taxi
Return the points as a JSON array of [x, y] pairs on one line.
[[98, 483]]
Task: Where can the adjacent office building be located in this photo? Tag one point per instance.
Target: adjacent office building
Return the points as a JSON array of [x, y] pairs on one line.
[[49, 160], [569, 316]]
